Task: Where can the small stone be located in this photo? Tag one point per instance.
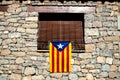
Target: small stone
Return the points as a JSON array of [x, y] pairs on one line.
[[12, 20], [19, 29], [40, 77], [106, 67], [103, 74], [76, 68], [27, 78], [56, 75], [89, 47], [113, 68], [109, 60], [82, 78], [97, 24], [112, 38], [14, 35], [18, 53], [31, 44], [92, 32], [64, 78], [2, 28], [115, 7], [85, 55], [89, 77], [15, 77], [106, 53], [19, 60], [119, 69], [32, 31], [94, 71], [31, 19], [114, 74], [90, 66], [101, 59], [5, 52], [116, 62], [73, 76], [29, 71], [23, 14]]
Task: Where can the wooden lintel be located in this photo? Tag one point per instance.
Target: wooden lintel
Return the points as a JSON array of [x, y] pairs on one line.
[[61, 9], [3, 8]]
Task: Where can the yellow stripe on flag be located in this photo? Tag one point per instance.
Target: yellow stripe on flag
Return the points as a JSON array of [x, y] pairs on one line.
[[65, 61], [70, 57], [50, 57], [55, 60]]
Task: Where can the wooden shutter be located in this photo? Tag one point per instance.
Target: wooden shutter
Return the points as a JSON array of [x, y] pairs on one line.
[[61, 30]]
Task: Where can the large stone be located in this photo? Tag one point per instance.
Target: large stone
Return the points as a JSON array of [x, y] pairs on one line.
[[29, 71], [106, 67], [15, 77], [101, 59], [97, 24], [5, 52], [19, 60], [104, 74], [85, 55], [3, 77], [40, 77], [32, 31], [89, 77], [18, 53], [14, 35], [106, 53], [73, 76], [114, 74], [116, 62], [89, 47], [92, 32], [109, 60], [26, 78], [112, 38]]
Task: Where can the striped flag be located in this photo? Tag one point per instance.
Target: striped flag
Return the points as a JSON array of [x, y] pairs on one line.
[[60, 56]]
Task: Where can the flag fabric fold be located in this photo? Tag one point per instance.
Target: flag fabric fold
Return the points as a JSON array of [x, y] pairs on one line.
[[60, 56]]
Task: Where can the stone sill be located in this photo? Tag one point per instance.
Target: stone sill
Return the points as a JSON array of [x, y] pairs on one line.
[[74, 51]]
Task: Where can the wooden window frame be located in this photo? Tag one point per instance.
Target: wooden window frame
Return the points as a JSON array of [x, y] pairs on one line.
[[61, 9], [3, 8]]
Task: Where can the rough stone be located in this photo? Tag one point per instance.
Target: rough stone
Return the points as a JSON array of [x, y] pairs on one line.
[[92, 32], [3, 77], [82, 78], [90, 66], [20, 29], [15, 77], [112, 38], [32, 31], [113, 68], [101, 59], [109, 60], [29, 71], [106, 53], [116, 62], [89, 77], [94, 71], [14, 35], [5, 52], [39, 77], [104, 74], [97, 24], [64, 78], [32, 19], [18, 53], [73, 76], [19, 60], [85, 55], [31, 44], [89, 47], [12, 20], [106, 67], [76, 68], [2, 28], [26, 78], [114, 74]]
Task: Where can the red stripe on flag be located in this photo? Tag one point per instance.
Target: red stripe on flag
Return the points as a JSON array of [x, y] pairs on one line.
[[63, 61], [68, 58], [57, 61], [52, 58]]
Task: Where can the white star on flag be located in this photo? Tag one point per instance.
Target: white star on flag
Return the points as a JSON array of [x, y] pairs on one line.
[[60, 46]]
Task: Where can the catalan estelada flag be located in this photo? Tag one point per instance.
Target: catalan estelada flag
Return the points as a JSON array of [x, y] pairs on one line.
[[60, 56]]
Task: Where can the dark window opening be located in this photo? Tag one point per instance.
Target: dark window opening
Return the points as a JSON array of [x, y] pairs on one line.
[[61, 27]]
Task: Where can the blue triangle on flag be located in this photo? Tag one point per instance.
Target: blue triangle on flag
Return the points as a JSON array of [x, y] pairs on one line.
[[60, 45]]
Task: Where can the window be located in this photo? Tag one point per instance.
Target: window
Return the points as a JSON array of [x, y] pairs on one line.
[[61, 27]]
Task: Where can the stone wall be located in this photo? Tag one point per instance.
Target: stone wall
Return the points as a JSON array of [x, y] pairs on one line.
[[19, 59]]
